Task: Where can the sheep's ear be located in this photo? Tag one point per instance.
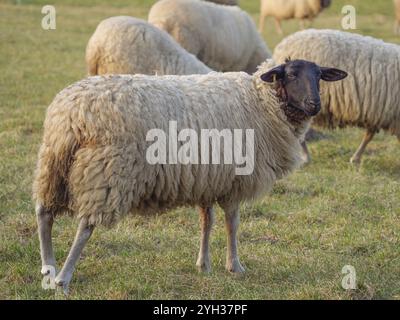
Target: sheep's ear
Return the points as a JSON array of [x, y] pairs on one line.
[[332, 74], [273, 74]]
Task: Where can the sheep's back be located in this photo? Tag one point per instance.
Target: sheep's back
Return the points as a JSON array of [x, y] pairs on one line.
[[223, 37], [126, 45], [226, 2]]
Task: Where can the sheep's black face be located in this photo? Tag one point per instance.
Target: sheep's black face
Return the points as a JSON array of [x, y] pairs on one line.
[[298, 86]]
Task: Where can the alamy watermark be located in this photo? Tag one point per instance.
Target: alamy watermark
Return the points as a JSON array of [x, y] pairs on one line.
[[349, 281], [349, 21], [49, 20], [186, 147]]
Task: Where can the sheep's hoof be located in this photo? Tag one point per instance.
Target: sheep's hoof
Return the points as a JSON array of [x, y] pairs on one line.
[[62, 286], [355, 161], [63, 289], [306, 161], [203, 267], [235, 267]]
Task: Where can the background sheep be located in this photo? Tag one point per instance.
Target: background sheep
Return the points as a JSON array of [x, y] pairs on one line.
[[226, 2], [370, 97], [225, 38], [290, 9], [93, 159], [397, 23], [125, 45]]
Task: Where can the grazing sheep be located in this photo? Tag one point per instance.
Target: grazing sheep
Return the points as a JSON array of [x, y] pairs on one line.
[[397, 23], [125, 45], [93, 162], [290, 9], [226, 2], [370, 97], [224, 37]]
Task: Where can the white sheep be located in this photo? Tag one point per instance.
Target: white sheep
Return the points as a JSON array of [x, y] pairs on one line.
[[224, 37], [94, 160], [397, 12], [126, 45], [290, 9], [369, 97]]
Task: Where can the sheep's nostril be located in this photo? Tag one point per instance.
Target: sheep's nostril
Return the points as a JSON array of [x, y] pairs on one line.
[[315, 103], [313, 106]]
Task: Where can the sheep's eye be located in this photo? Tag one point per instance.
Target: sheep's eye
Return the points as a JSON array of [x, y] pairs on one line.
[[291, 76]]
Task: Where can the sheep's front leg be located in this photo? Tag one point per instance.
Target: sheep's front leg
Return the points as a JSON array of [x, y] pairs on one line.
[[206, 221], [232, 220], [82, 236], [306, 154], [44, 220], [278, 26], [356, 158]]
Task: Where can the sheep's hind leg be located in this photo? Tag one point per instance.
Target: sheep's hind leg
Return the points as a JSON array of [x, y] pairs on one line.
[[45, 220], [206, 221], [356, 158], [261, 24], [232, 220], [82, 236]]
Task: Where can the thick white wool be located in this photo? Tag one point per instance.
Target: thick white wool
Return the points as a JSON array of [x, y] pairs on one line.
[[92, 160], [224, 37], [125, 45]]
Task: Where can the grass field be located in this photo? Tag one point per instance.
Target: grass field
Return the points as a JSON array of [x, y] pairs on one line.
[[293, 243]]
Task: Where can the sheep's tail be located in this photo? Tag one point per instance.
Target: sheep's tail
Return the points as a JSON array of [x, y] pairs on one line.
[[56, 155], [92, 59]]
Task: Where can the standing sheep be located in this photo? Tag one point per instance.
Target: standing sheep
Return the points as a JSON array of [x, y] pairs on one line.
[[370, 97], [397, 11], [224, 37], [290, 9], [94, 159], [226, 2], [125, 45]]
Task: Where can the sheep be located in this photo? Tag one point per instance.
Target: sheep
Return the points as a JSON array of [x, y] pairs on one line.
[[126, 45], [290, 9], [397, 22], [224, 37], [370, 97], [94, 160], [225, 2]]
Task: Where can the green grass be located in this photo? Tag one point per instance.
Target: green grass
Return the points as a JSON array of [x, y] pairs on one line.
[[293, 242]]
